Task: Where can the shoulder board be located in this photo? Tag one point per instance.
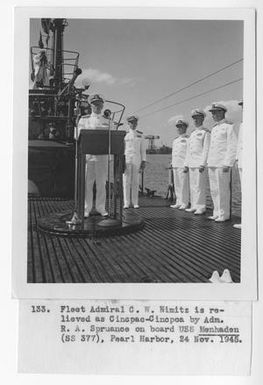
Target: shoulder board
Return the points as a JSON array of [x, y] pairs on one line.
[[206, 129]]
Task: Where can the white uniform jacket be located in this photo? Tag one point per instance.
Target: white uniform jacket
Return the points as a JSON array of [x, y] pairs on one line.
[[93, 122], [223, 145], [135, 148], [179, 151], [240, 146], [197, 148]]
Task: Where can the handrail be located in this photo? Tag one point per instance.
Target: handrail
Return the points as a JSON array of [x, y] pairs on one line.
[[122, 110], [51, 49], [65, 60]]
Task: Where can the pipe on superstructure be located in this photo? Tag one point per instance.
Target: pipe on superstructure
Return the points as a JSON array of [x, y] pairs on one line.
[[58, 29]]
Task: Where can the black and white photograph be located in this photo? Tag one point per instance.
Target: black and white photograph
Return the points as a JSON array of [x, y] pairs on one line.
[[139, 169], [131, 195]]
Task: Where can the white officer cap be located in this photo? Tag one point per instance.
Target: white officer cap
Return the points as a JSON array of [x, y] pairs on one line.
[[217, 107], [96, 98], [181, 122], [198, 112], [132, 118]]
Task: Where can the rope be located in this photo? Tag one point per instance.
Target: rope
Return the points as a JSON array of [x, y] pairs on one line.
[[193, 97], [190, 85]]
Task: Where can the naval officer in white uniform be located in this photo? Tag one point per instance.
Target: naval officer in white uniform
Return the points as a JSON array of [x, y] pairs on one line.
[[181, 178], [221, 157], [239, 156], [135, 159], [196, 162], [96, 165]]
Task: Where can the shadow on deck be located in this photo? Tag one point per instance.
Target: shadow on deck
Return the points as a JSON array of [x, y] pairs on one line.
[[173, 247]]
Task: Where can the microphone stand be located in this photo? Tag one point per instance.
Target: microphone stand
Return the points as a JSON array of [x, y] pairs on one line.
[[109, 222], [76, 220]]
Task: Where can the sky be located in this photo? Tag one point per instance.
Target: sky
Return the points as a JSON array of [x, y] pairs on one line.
[[137, 62]]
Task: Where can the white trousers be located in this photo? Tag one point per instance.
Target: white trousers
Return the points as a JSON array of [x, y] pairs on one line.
[[220, 191], [96, 171], [131, 184], [197, 188], [181, 186]]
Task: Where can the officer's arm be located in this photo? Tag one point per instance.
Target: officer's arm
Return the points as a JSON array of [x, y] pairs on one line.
[[143, 153], [187, 157], [231, 149], [206, 146], [239, 141], [124, 156], [173, 152]]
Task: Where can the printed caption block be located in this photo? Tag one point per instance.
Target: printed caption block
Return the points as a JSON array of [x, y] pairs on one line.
[[135, 337]]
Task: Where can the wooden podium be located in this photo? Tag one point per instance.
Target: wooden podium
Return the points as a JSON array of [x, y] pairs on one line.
[[95, 142], [101, 142]]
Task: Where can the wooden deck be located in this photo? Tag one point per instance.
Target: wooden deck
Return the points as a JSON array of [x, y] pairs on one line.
[[174, 246]]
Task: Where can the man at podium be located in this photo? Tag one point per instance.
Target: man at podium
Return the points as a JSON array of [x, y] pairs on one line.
[[96, 165]]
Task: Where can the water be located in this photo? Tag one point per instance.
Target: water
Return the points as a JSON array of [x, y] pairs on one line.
[[156, 177]]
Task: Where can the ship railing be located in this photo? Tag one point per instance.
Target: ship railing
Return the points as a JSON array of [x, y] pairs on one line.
[[70, 61], [117, 113]]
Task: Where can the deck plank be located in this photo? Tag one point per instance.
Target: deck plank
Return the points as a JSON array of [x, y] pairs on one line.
[[194, 239], [204, 247], [44, 245], [119, 259], [174, 246], [39, 268], [52, 249], [156, 257], [147, 259]]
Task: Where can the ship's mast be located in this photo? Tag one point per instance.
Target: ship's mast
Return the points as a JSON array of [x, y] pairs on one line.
[[56, 26], [58, 30]]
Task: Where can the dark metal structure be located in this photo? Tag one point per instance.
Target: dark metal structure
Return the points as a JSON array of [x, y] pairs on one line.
[[55, 105], [52, 112], [54, 71]]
